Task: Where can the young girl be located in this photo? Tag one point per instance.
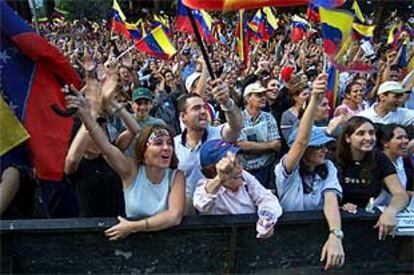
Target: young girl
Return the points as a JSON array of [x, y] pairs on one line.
[[305, 180], [153, 188], [228, 189], [363, 172]]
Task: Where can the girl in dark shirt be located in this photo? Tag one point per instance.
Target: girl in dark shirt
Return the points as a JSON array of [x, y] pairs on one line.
[[362, 172]]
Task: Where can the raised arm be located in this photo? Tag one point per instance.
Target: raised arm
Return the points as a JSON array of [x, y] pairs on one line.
[[305, 127], [232, 129], [120, 163]]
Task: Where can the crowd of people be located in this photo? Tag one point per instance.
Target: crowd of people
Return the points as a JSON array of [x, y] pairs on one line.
[[160, 139]]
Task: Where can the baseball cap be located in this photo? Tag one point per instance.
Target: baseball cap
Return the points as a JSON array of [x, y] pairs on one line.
[[140, 93], [190, 80], [253, 88], [318, 137], [214, 150], [391, 86]]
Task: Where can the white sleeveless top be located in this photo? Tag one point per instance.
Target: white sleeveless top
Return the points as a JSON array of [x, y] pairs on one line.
[[143, 198]]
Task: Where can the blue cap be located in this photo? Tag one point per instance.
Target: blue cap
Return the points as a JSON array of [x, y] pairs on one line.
[[318, 137], [214, 150]]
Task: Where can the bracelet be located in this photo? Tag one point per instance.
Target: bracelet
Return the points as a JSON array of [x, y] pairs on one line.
[[146, 225], [94, 129], [229, 109]]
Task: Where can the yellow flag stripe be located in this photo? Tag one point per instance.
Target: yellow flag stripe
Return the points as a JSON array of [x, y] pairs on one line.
[[163, 41], [12, 133]]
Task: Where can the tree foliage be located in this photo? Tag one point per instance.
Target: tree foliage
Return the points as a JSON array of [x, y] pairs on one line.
[[91, 9]]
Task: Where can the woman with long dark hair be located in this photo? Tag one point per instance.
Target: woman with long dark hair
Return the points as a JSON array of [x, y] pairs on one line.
[[364, 172]]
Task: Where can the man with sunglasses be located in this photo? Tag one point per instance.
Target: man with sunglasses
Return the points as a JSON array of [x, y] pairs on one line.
[[259, 139], [228, 189]]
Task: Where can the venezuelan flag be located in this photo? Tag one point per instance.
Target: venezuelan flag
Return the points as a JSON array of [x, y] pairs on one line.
[[263, 24], [133, 31], [358, 13], [312, 13], [332, 88], [300, 27], [227, 5], [13, 133], [157, 44], [256, 26], [202, 18], [160, 20], [336, 28], [363, 31], [118, 20], [205, 25], [31, 79], [242, 38], [329, 4]]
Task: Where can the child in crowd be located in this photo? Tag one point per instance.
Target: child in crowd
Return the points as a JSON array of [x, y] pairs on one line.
[[228, 189]]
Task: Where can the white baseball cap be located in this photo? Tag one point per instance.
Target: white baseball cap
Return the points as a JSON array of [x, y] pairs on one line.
[[253, 88], [391, 86], [190, 80]]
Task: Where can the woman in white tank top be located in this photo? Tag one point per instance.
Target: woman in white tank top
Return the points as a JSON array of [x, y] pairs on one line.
[[152, 186]]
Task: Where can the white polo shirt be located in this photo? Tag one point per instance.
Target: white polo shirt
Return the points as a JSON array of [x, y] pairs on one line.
[[401, 116], [189, 158]]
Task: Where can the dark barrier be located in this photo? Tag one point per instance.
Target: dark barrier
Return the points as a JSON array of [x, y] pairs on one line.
[[219, 244]]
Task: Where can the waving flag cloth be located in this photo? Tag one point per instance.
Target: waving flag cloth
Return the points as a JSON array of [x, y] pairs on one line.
[[12, 133], [228, 5], [361, 31], [119, 24], [332, 88], [263, 24], [32, 75], [312, 13], [202, 19], [118, 20], [299, 28], [358, 13], [328, 4], [242, 38], [157, 44], [160, 20]]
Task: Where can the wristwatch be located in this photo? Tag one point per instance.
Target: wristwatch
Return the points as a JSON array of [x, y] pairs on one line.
[[337, 233]]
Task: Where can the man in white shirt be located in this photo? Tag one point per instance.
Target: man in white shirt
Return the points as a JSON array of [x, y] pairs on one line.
[[386, 110], [197, 131]]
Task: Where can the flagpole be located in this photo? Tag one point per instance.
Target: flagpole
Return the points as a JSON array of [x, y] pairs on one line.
[[200, 43], [125, 52], [36, 21]]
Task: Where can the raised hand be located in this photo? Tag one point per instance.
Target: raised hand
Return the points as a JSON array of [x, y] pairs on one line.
[[221, 92]]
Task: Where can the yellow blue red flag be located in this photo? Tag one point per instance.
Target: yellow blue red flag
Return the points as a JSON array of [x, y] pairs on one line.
[[13, 133], [157, 44]]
